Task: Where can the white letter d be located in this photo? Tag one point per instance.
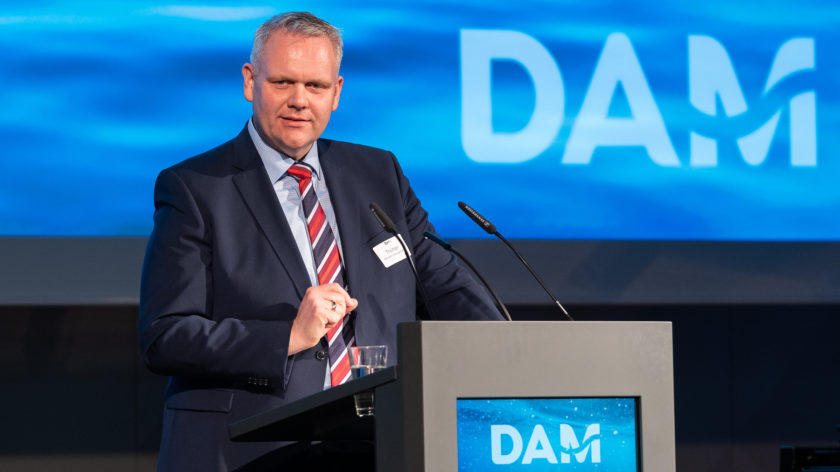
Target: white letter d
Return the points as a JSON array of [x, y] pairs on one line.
[[496, 432], [478, 49]]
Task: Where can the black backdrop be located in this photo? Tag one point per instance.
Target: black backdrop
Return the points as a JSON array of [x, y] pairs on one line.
[[756, 330], [748, 379]]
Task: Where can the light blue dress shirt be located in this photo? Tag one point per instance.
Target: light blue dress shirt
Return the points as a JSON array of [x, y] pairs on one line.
[[288, 194]]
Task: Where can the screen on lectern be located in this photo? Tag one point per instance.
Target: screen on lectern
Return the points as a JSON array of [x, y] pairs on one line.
[[540, 434]]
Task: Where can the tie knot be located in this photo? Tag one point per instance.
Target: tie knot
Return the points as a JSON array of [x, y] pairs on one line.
[[300, 172]]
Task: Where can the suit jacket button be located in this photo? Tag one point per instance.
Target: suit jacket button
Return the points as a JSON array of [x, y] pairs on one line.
[[320, 354]]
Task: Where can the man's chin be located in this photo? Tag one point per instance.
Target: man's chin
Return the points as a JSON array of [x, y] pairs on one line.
[[293, 149]]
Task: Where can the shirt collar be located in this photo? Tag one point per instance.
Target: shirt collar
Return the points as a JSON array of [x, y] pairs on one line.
[[276, 163]]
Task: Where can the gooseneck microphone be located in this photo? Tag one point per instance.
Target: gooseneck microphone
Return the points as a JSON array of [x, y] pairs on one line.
[[442, 243], [388, 225], [491, 229], [384, 220]]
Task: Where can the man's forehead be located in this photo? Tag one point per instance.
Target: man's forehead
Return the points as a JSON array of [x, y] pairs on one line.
[[289, 40], [284, 46]]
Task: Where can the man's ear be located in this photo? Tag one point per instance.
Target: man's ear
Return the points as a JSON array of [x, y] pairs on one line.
[[248, 82], [338, 83]]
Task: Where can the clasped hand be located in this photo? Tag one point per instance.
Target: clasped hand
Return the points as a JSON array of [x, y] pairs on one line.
[[322, 308]]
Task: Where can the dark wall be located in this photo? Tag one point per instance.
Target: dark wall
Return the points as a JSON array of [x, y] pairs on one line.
[[748, 379], [76, 396]]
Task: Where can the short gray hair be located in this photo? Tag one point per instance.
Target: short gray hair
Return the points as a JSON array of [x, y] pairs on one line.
[[303, 23]]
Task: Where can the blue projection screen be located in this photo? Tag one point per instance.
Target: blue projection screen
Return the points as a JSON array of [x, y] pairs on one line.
[[595, 120]]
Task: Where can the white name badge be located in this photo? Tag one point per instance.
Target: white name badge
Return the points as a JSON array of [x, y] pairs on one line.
[[389, 251]]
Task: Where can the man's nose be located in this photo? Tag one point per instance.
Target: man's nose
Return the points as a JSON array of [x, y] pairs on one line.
[[297, 98]]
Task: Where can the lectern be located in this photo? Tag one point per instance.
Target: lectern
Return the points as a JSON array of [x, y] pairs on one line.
[[504, 396]]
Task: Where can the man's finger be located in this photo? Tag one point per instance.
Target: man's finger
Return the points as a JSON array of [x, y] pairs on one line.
[[332, 318], [336, 306]]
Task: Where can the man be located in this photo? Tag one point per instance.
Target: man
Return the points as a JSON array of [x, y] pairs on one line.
[[240, 292]]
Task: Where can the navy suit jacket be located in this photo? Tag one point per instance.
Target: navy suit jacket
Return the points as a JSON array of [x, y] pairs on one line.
[[223, 278]]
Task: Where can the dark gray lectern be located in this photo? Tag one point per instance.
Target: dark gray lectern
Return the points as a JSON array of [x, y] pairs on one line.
[[415, 426]]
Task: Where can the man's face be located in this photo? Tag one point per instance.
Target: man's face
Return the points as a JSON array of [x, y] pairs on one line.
[[294, 89]]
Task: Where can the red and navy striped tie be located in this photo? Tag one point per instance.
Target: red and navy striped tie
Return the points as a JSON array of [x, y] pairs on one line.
[[329, 268]]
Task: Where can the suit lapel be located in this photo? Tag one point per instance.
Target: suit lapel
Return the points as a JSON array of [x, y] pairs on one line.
[[253, 184], [345, 202]]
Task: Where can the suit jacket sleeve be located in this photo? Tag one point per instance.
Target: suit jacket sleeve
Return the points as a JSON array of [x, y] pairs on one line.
[[178, 334], [452, 290]]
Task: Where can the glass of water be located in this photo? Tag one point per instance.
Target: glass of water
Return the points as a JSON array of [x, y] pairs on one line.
[[365, 360]]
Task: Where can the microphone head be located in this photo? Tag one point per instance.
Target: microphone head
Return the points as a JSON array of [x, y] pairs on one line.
[[480, 220], [382, 217]]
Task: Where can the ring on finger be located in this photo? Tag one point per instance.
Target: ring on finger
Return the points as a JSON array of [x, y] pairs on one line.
[[334, 305]]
